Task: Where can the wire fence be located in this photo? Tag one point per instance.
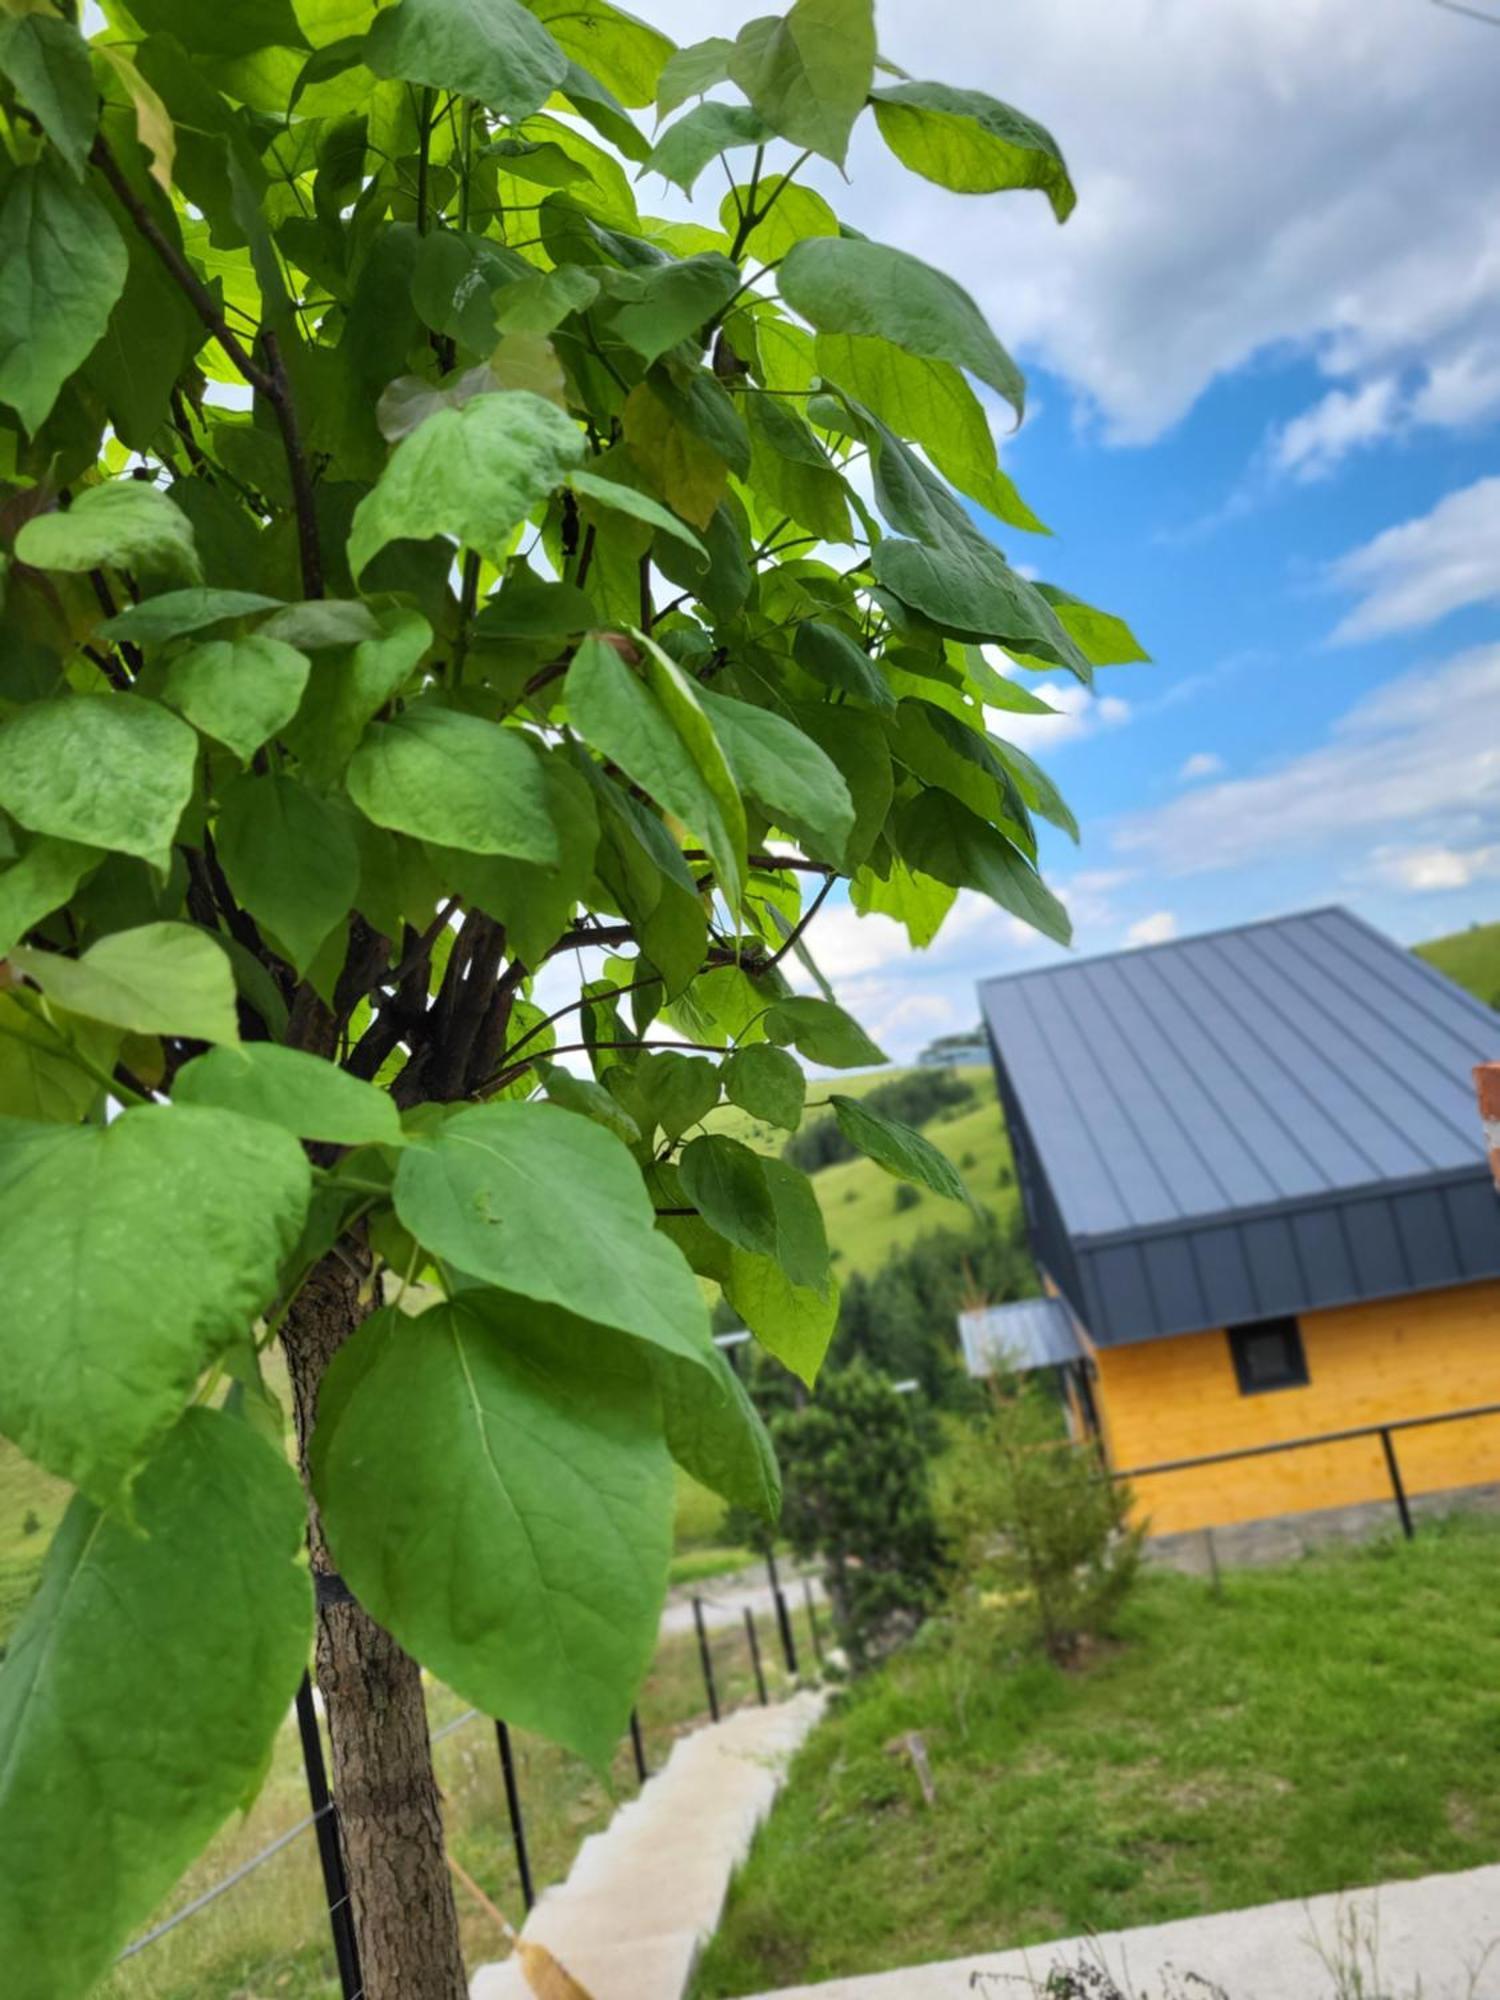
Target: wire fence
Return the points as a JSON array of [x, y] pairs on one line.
[[732, 1660]]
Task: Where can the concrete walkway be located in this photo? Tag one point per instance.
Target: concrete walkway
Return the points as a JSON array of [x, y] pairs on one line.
[[1433, 1939], [644, 1895], [726, 1599]]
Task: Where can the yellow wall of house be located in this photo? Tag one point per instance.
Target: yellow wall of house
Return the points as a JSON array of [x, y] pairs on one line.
[[1367, 1364]]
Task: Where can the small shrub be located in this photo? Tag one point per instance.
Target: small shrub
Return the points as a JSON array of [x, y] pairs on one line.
[[907, 1196], [1037, 1529], [966, 1161], [858, 1495]]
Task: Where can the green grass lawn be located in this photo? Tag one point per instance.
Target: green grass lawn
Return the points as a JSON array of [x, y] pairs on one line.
[[1321, 1726], [1472, 957]]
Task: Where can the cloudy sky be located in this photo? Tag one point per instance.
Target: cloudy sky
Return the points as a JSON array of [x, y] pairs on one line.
[[1264, 364]]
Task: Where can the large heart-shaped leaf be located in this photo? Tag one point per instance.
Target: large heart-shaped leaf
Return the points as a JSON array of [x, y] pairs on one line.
[[170, 1225], [494, 50], [287, 1087], [495, 1486], [457, 780], [107, 770], [62, 266], [124, 525], [158, 979], [473, 473], [809, 71], [141, 1695], [498, 1194], [971, 143], [848, 285]]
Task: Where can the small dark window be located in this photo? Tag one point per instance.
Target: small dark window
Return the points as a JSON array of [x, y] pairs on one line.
[[1268, 1355]]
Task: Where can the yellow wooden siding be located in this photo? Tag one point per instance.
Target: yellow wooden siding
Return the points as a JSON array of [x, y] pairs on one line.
[[1367, 1364]]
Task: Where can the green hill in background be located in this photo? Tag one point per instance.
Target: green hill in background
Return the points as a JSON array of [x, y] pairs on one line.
[[1470, 957]]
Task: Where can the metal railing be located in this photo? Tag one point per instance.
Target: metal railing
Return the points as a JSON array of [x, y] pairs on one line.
[[1386, 1433], [323, 1817]]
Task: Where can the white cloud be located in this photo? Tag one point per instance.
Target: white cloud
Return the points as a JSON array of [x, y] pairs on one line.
[[1251, 175], [1077, 712], [1460, 390], [1424, 869], [1202, 764], [1159, 928], [1416, 753], [1417, 572], [1311, 445]]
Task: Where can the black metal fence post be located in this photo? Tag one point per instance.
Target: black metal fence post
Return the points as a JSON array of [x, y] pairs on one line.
[[638, 1745], [754, 1637], [513, 1807], [1397, 1489], [783, 1617], [812, 1619], [706, 1659], [330, 1847]]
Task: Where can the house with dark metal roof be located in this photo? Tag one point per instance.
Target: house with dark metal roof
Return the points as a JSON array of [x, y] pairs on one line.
[[1255, 1185]]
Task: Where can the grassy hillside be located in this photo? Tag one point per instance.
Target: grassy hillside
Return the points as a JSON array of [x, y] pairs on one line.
[[859, 1199], [1471, 957]]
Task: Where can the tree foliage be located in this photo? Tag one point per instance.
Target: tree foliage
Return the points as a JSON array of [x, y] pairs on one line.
[[858, 1496], [428, 571]]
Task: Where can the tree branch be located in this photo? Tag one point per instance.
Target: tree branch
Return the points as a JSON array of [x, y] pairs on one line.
[[279, 395]]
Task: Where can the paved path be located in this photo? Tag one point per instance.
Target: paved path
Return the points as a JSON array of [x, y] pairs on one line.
[[725, 1599], [644, 1895], [1434, 1939]]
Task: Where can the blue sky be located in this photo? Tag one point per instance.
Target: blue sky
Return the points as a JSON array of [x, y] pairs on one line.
[[1264, 365]]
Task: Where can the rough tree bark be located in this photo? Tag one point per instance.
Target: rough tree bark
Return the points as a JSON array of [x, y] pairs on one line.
[[383, 1782]]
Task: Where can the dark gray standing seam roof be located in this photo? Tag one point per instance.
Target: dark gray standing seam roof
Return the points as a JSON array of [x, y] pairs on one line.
[[1257, 1121]]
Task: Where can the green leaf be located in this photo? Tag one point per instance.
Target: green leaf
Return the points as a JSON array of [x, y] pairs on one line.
[[497, 1492], [42, 880], [473, 473], [931, 403], [689, 72], [38, 1077], [456, 779], [62, 266], [171, 1225], [628, 54], [541, 303], [158, 979], [671, 301], [801, 1238], [715, 1433], [840, 662], [624, 499], [47, 61], [496, 1194], [590, 1099], [786, 771], [857, 742], [898, 1148], [971, 143], [913, 900], [233, 28], [808, 74], [792, 471], [847, 285], [686, 147], [176, 612], [239, 691], [727, 1185], [768, 1083], [942, 838], [788, 211], [347, 688], [290, 857], [824, 1033], [121, 1754], [494, 50], [653, 726], [301, 1093], [677, 1090], [1103, 639], [108, 770], [793, 1322], [125, 524]]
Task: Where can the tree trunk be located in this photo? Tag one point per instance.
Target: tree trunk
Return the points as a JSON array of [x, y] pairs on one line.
[[383, 1783]]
